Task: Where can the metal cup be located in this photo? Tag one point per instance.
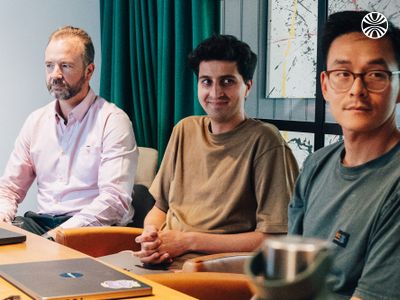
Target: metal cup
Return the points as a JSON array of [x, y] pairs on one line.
[[287, 256]]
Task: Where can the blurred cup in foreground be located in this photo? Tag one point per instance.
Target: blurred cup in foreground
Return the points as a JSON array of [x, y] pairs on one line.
[[290, 267], [288, 256]]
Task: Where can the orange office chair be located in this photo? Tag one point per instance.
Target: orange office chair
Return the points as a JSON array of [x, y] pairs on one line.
[[203, 281], [206, 277], [207, 285], [106, 240]]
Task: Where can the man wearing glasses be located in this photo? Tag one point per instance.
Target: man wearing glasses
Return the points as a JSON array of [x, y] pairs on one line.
[[349, 192]]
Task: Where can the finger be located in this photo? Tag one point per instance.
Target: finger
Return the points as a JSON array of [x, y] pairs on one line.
[[150, 259], [150, 232], [146, 253], [156, 259], [146, 238], [151, 245]]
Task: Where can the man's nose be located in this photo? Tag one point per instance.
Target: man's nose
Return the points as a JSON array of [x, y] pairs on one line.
[[358, 88], [56, 72], [216, 91]]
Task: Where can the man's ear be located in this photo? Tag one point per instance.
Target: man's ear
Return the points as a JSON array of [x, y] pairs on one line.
[[249, 84], [324, 85], [398, 96], [90, 70]]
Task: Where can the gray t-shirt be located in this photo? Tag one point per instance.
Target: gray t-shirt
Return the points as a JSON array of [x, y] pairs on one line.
[[358, 209]]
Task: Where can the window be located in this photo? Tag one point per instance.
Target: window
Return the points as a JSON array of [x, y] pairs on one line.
[[286, 89]]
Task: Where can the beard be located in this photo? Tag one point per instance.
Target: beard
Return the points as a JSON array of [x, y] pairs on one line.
[[61, 90]]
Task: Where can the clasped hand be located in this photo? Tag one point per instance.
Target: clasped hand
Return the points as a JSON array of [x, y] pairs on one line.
[[160, 246]]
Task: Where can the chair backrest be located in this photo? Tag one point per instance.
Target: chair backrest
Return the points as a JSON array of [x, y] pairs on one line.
[[142, 202], [230, 262], [206, 285], [147, 166]]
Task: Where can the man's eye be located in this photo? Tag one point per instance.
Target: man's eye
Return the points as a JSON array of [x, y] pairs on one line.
[[206, 82], [227, 81], [342, 74], [66, 66], [377, 75]]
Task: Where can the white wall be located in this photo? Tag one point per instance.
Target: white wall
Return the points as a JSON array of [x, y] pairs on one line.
[[25, 26]]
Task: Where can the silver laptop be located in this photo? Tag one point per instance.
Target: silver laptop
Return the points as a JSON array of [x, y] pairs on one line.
[[11, 237], [72, 279]]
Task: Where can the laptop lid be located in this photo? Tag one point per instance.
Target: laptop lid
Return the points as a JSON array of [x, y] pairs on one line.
[[81, 279], [11, 237]]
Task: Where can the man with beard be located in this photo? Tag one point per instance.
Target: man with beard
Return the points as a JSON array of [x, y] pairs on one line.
[[80, 148]]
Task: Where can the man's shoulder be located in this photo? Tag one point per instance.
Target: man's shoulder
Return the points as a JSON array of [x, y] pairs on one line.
[[107, 106], [261, 133], [262, 128], [192, 122], [44, 111], [324, 154], [106, 110]]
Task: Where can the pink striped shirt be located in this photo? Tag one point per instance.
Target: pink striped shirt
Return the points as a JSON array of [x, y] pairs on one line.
[[84, 169]]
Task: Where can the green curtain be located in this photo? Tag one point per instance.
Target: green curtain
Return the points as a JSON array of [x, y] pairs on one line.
[[144, 71]]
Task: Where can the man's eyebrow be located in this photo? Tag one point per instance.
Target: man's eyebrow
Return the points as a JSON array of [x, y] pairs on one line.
[[219, 77], [341, 62], [378, 61]]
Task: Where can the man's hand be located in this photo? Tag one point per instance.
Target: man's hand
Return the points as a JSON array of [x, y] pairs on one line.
[[150, 242], [5, 218], [173, 242]]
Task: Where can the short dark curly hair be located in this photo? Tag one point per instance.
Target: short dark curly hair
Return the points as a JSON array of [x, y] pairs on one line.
[[344, 22], [225, 47]]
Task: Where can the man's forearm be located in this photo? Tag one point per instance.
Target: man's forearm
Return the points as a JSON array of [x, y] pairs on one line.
[[155, 217], [8, 209], [218, 243]]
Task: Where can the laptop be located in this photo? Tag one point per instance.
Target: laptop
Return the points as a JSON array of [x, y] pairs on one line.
[[11, 237], [72, 279]]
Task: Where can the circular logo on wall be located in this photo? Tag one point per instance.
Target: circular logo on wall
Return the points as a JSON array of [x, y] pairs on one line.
[[374, 25]]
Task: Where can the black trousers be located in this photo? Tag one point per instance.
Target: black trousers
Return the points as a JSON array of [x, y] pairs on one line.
[[40, 223]]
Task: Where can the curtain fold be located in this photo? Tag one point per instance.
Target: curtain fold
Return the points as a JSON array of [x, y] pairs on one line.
[[144, 71]]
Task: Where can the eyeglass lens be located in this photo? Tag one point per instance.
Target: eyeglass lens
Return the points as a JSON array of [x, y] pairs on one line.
[[373, 81]]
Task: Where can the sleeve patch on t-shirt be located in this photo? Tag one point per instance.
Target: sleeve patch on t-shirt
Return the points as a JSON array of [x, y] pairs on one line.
[[341, 238]]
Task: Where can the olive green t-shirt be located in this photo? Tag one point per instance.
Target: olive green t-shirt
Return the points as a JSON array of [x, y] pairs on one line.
[[234, 182], [358, 210]]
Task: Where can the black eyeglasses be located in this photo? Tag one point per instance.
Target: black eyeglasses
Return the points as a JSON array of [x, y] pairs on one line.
[[374, 80]]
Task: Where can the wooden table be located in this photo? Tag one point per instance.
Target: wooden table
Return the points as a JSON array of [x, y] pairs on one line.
[[37, 248]]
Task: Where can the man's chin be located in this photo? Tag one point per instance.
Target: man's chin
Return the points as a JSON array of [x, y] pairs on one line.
[[60, 95]]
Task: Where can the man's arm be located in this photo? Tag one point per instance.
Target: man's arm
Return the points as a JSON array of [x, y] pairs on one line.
[[160, 246], [176, 243], [149, 239], [155, 217], [380, 275], [18, 175]]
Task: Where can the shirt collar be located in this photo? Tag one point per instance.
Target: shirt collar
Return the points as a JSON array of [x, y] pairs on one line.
[[80, 110]]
